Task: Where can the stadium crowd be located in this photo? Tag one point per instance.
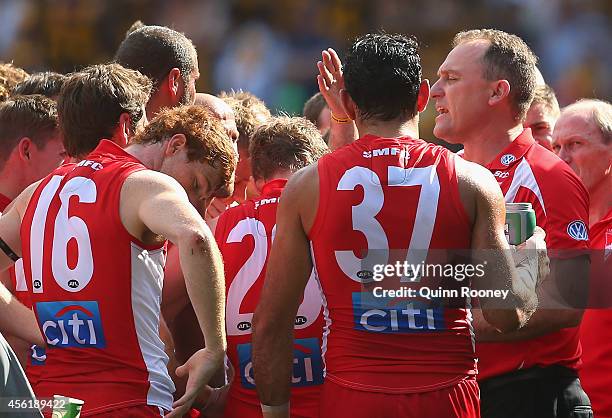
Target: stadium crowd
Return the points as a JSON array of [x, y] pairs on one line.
[[168, 252]]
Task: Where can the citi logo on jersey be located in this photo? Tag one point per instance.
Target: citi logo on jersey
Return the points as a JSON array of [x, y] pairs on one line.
[[387, 315], [71, 324], [386, 151], [307, 364]]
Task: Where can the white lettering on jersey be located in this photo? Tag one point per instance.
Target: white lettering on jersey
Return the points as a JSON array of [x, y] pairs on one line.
[[386, 151], [94, 165], [364, 221], [238, 323]]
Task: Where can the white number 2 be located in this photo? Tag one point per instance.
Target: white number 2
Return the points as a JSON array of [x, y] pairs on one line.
[[364, 221], [65, 229], [238, 323]]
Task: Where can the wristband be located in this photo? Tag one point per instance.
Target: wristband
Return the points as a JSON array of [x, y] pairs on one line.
[[340, 120], [8, 251]]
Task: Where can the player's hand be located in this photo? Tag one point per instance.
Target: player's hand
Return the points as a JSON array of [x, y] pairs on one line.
[[532, 260], [199, 368], [331, 81], [212, 401]]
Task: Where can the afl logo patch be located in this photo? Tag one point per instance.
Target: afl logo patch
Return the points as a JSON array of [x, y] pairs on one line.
[[578, 231], [507, 159]]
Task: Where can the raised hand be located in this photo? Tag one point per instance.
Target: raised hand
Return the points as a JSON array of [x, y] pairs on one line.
[[331, 81]]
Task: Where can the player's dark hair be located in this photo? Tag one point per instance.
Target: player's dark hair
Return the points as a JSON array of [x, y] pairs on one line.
[[33, 116], [382, 74], [155, 50], [48, 84], [93, 99]]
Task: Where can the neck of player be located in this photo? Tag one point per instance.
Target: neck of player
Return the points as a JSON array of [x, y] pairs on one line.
[[150, 155], [395, 128], [484, 146], [12, 182], [600, 199]]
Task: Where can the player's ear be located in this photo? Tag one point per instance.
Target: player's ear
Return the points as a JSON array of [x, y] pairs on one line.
[[173, 82], [24, 148], [423, 97], [175, 144], [500, 90], [123, 132]]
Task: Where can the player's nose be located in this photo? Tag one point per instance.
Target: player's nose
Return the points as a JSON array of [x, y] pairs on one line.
[[436, 91]]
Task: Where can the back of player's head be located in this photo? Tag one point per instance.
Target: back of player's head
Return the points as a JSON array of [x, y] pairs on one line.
[[509, 58], [545, 95], [206, 137], [313, 108], [284, 143], [249, 112], [92, 101], [155, 50], [382, 74], [10, 76], [33, 116], [47, 83]]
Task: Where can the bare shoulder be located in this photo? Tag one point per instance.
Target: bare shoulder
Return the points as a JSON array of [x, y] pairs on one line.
[[476, 179], [477, 186], [145, 183], [148, 194], [303, 182], [302, 194], [21, 202]]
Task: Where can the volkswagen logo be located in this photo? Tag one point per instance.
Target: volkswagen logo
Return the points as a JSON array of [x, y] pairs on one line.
[[507, 159], [578, 231]]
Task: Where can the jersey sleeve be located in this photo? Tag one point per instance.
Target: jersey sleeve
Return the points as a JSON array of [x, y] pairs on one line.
[[567, 215]]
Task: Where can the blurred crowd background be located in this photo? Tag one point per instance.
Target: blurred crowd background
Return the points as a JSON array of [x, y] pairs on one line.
[[271, 47]]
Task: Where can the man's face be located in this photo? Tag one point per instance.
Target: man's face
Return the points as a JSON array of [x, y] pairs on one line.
[[461, 93], [578, 142], [47, 158], [201, 181], [541, 119]]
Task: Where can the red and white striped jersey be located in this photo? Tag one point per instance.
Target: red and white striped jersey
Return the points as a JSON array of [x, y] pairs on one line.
[[244, 234], [96, 289], [527, 172], [382, 201]]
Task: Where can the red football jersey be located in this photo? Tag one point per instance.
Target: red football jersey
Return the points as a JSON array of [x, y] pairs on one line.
[[244, 234], [383, 200], [95, 288], [527, 172], [596, 371]]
